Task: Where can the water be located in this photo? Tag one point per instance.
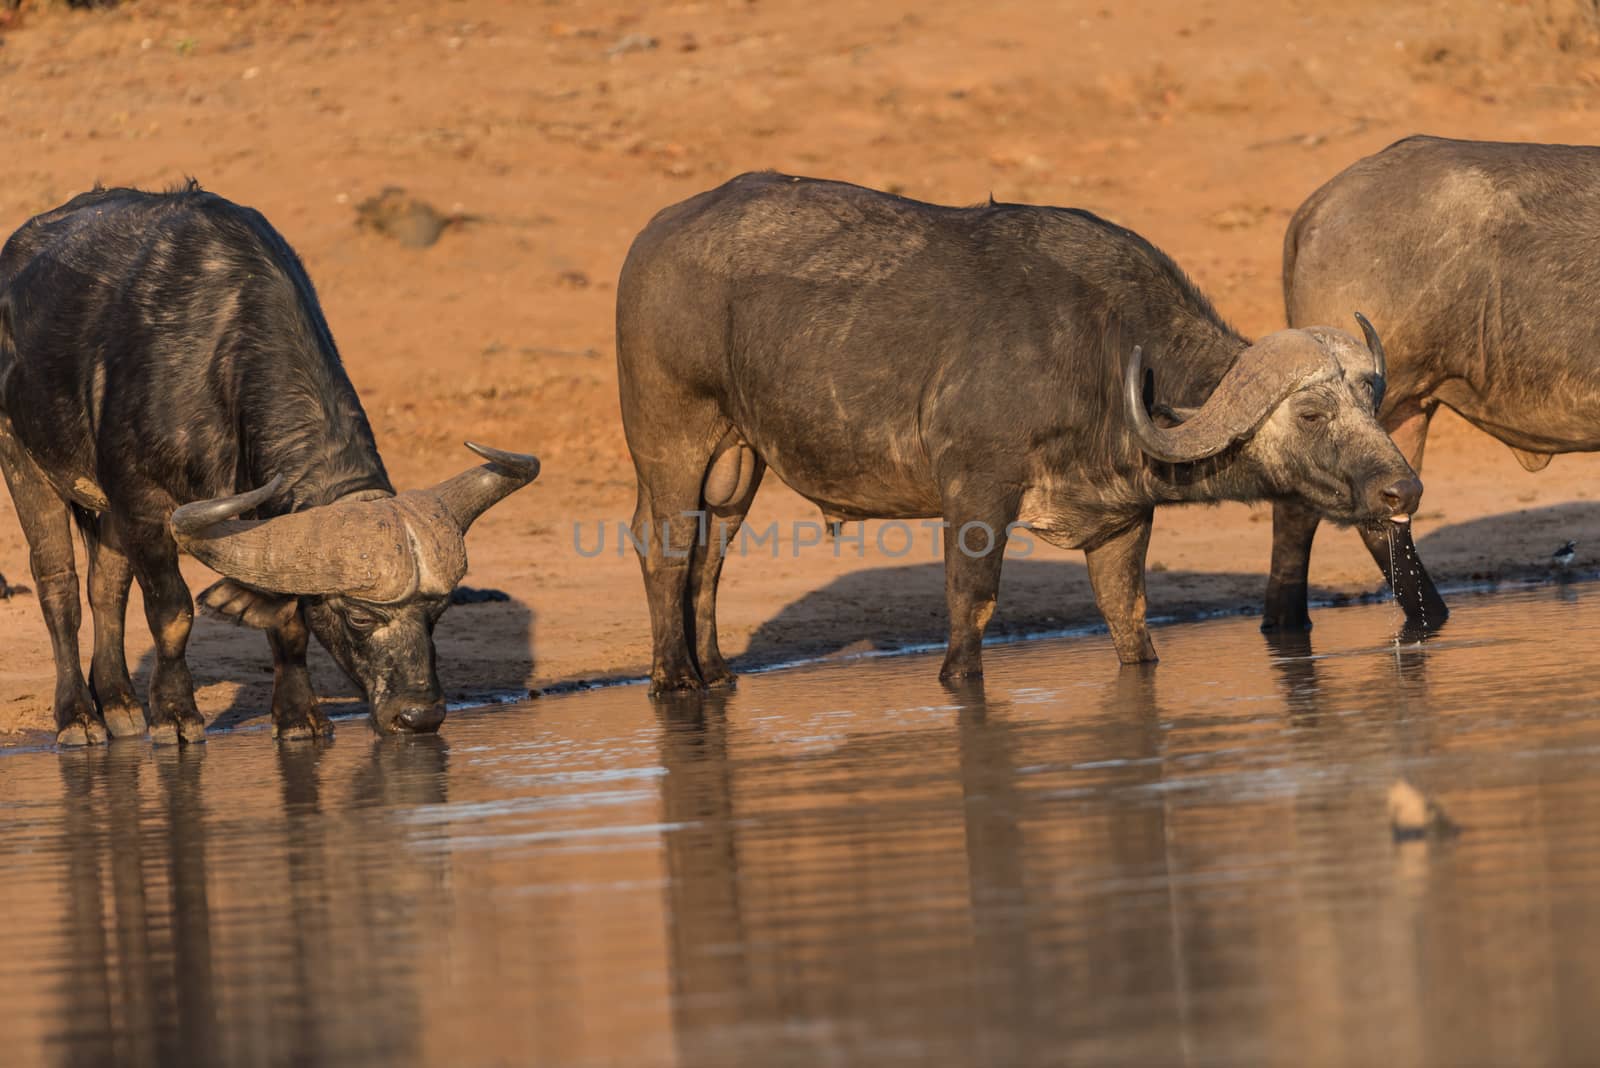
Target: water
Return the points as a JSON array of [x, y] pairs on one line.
[[848, 864], [1414, 591]]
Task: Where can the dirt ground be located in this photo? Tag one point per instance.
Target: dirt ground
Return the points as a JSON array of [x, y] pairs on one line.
[[550, 132]]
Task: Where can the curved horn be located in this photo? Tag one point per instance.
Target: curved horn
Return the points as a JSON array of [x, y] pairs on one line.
[[474, 491], [1261, 376], [357, 548], [1380, 360], [1144, 431], [190, 520]]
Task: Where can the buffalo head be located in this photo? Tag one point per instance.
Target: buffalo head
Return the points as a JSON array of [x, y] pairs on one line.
[[371, 573], [1301, 405]]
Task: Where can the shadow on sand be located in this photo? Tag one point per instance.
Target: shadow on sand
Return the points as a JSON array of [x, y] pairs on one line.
[[896, 608], [892, 609]]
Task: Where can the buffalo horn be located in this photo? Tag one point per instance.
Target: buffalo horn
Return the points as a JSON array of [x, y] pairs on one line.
[[1262, 376], [357, 548], [1380, 360], [468, 495], [192, 519]]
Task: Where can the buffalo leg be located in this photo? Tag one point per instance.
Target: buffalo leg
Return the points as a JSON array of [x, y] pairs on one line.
[[1294, 527], [169, 610], [1424, 607], [705, 571], [110, 576], [47, 524], [974, 550], [1116, 571], [295, 713], [665, 530]]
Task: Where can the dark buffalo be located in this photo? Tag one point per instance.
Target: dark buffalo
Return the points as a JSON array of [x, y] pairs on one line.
[[894, 359], [158, 349], [1473, 258]]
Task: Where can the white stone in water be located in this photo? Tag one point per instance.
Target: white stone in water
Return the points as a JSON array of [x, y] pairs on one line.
[[1408, 809], [1413, 815]]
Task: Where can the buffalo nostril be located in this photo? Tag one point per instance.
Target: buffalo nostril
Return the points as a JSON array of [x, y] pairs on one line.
[[1402, 497], [420, 720]]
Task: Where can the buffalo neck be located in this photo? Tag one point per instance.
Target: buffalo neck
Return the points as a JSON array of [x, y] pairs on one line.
[[321, 444]]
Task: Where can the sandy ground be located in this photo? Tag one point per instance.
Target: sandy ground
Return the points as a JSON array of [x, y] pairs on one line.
[[556, 129]]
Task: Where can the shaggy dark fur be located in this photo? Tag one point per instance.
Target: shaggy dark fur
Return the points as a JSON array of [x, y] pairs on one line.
[[158, 349]]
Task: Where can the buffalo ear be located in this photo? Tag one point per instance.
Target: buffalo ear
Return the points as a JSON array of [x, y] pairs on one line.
[[253, 608], [1166, 415]]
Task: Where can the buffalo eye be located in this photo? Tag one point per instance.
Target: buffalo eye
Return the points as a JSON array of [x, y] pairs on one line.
[[1313, 418]]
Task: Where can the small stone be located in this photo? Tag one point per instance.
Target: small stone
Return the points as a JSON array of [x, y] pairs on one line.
[[395, 213], [633, 42], [1413, 816]]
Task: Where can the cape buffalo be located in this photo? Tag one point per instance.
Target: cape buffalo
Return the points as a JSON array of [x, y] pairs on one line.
[[157, 349], [895, 359], [1472, 256]]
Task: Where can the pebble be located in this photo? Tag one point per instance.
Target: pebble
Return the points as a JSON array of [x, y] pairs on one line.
[[1413, 816]]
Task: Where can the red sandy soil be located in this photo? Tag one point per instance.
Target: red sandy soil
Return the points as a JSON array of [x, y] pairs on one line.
[[558, 128]]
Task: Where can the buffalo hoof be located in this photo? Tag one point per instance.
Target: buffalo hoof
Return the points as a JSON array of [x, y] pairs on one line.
[[303, 730], [1285, 622], [968, 689], [124, 719], [82, 731], [186, 732], [722, 682], [671, 685], [956, 673]]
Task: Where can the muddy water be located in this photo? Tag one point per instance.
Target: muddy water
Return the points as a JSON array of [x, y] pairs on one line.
[[850, 865]]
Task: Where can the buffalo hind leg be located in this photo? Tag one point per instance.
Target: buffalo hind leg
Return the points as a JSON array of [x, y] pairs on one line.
[[705, 569], [295, 712], [110, 576], [665, 530], [974, 550], [169, 610], [1116, 572], [47, 524]]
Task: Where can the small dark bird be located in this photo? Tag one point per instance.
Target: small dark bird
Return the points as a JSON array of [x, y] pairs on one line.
[[1563, 556]]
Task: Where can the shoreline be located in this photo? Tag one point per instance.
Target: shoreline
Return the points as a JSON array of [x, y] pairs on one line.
[[41, 740]]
